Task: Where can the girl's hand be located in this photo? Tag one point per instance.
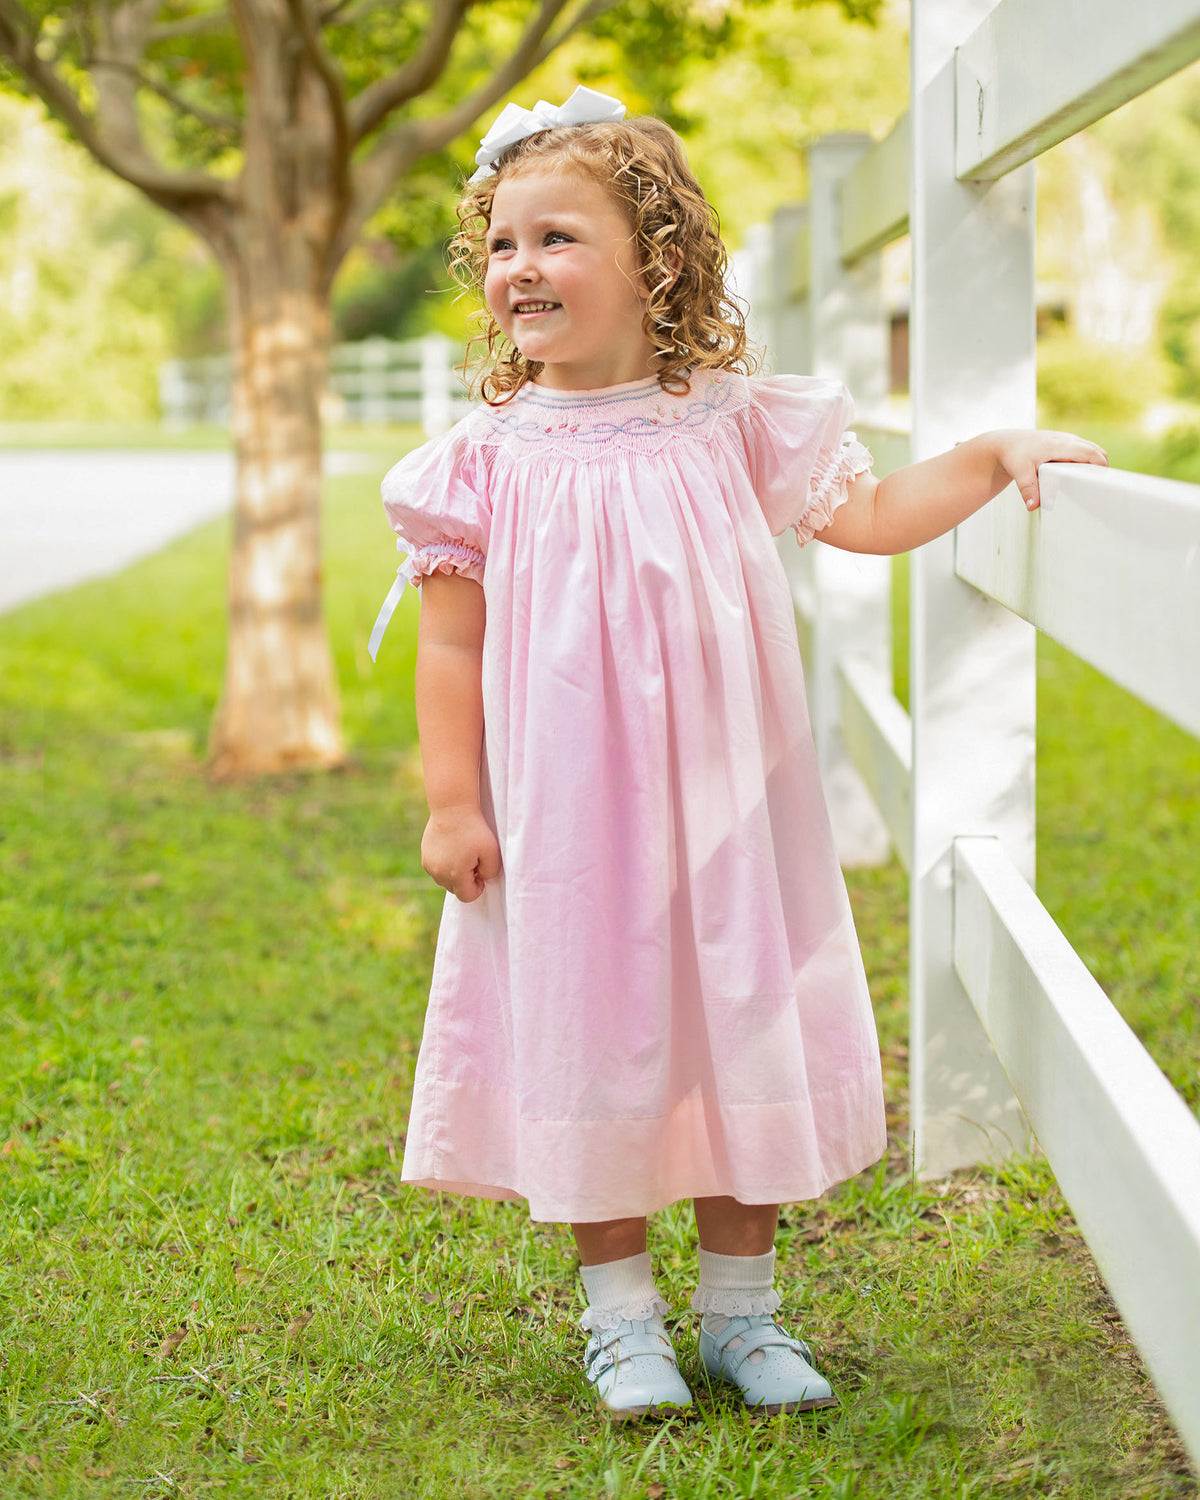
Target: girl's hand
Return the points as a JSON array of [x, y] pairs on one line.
[[1019, 452], [460, 851]]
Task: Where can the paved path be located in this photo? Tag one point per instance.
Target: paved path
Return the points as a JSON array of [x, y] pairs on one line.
[[69, 515]]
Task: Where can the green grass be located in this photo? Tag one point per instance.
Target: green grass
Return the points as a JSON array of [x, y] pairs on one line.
[[212, 1280], [382, 438]]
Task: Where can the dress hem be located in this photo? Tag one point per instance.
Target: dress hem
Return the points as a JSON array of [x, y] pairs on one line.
[[542, 1211]]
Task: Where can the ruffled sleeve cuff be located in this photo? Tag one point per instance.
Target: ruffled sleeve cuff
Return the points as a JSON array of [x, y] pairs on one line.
[[419, 562], [829, 486], [440, 557], [437, 504]]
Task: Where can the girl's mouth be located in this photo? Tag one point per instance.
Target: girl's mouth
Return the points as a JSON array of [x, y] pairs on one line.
[[534, 309]]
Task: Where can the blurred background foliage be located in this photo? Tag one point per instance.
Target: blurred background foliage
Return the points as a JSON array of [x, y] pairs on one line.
[[1119, 240], [97, 287]]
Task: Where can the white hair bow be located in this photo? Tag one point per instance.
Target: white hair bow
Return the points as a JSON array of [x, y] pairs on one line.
[[513, 124]]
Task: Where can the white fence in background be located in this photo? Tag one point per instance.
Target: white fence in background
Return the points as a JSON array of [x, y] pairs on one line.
[[1010, 1033], [370, 381]]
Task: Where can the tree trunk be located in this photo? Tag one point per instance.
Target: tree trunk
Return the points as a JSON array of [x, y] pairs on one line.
[[279, 706]]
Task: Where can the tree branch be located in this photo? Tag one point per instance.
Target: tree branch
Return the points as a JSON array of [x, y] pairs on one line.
[[401, 146], [532, 50], [418, 73], [212, 20], [327, 71], [206, 116], [169, 189], [395, 152], [345, 12]]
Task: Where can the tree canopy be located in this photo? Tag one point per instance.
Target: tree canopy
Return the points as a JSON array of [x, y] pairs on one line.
[[746, 87]]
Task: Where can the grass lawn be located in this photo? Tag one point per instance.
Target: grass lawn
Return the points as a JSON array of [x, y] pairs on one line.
[[212, 1280], [379, 438]]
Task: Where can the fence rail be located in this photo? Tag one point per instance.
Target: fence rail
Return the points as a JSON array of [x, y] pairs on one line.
[[1115, 577], [1009, 1033], [1034, 73], [370, 381]]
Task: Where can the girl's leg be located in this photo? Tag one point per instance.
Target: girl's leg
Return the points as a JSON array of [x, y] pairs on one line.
[[727, 1227], [617, 1274], [738, 1299], [629, 1358], [737, 1259], [614, 1239]]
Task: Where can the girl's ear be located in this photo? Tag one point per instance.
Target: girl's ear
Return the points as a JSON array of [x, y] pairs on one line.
[[675, 265]]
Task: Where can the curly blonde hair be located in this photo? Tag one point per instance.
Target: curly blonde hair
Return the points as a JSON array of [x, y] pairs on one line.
[[691, 318]]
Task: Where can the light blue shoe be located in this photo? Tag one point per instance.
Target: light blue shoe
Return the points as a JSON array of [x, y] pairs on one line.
[[634, 1370], [783, 1381]]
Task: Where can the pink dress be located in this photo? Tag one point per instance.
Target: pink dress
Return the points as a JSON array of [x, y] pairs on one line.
[[661, 996]]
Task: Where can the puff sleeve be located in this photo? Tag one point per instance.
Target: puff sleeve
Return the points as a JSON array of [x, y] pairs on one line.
[[436, 502], [801, 454]]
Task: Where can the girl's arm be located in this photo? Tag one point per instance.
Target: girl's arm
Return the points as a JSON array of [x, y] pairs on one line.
[[922, 501], [459, 849]]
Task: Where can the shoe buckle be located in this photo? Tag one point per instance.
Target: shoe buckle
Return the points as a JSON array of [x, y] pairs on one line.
[[604, 1359]]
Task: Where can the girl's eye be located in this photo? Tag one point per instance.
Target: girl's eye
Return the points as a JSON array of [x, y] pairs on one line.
[[558, 235], [498, 245]]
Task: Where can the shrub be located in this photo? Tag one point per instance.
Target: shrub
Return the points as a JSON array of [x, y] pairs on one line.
[[1082, 381]]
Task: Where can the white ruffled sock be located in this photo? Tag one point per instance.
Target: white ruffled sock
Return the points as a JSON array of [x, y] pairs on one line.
[[734, 1286], [620, 1289]]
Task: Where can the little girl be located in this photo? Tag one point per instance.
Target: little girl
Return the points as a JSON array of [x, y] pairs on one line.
[[647, 984]]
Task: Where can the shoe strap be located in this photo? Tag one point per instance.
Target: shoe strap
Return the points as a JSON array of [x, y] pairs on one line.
[[601, 1338], [769, 1336], [617, 1346]]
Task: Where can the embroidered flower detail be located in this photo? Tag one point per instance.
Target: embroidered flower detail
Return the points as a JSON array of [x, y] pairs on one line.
[[640, 419]]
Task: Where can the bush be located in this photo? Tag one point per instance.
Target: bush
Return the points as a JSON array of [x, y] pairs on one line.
[[1082, 381]]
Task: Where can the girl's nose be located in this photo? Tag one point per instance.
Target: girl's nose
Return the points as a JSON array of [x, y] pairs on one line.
[[521, 268]]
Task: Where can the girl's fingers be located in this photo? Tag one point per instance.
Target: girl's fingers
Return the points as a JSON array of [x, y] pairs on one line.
[[1026, 481], [1082, 451]]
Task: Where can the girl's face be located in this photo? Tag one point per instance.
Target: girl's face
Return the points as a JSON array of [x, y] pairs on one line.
[[562, 280]]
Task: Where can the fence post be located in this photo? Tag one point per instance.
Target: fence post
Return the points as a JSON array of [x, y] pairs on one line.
[[436, 409], [174, 394], [217, 389], [790, 337], [973, 676], [373, 386], [850, 593], [750, 280]]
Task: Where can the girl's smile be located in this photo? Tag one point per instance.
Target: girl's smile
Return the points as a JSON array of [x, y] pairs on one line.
[[563, 281]]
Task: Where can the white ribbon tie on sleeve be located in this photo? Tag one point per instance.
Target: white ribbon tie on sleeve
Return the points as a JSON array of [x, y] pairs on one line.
[[406, 573], [387, 610], [513, 124]]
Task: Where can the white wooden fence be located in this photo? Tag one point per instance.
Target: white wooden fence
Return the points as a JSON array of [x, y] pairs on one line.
[[1010, 1033], [370, 381]]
